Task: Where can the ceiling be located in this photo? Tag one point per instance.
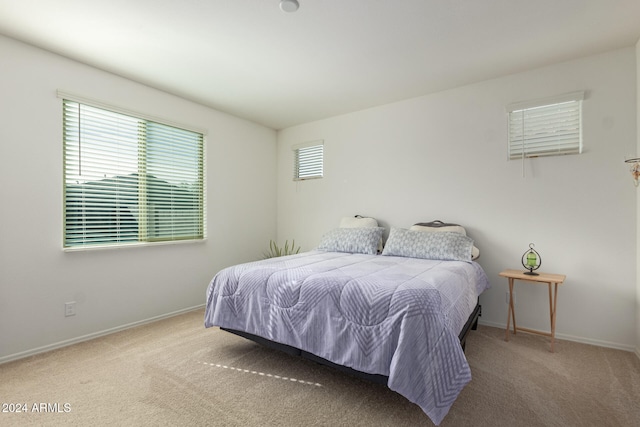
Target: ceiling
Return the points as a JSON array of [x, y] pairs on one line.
[[250, 59]]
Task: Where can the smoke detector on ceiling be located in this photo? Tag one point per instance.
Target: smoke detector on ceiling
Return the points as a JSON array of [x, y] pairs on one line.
[[289, 5]]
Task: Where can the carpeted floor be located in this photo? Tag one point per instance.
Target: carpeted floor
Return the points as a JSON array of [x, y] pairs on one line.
[[177, 373]]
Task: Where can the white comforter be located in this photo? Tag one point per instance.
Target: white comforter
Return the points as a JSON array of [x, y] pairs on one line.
[[392, 316]]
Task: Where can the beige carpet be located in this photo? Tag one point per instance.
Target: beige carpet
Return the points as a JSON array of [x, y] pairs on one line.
[[175, 372]]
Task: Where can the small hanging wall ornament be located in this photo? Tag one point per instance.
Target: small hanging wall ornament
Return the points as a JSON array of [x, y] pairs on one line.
[[531, 260], [635, 170]]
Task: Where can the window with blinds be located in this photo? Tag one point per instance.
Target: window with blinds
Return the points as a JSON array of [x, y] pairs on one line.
[[129, 180], [546, 127], [308, 160]]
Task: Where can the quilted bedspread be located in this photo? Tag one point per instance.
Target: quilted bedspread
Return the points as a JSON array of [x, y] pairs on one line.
[[393, 316]]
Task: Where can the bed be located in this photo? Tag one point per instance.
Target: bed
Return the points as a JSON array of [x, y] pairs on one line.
[[399, 317]]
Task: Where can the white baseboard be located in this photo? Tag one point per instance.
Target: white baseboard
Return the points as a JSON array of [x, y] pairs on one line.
[[581, 340], [93, 335]]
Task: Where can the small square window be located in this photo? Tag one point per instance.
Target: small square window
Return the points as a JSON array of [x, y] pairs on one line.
[[308, 160], [547, 127]]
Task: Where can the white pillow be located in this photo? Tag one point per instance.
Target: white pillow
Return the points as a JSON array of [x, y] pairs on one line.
[[452, 228], [475, 252], [357, 222]]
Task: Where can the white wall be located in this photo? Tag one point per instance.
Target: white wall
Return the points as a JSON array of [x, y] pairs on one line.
[[638, 202], [443, 156], [112, 288]]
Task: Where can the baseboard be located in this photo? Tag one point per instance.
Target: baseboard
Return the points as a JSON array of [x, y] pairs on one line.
[[65, 343], [581, 340], [638, 352]]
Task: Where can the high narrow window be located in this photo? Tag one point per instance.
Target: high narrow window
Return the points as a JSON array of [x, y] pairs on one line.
[[547, 127], [129, 180], [308, 160]]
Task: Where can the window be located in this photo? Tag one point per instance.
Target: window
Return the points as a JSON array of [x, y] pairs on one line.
[[129, 180], [308, 160], [546, 127]]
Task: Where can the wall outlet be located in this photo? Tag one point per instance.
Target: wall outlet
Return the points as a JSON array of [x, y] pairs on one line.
[[506, 297], [70, 308]]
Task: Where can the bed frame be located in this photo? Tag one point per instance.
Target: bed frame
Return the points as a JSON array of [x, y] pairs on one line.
[[472, 323]]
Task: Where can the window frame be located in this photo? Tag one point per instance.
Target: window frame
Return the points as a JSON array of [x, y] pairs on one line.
[[143, 237]]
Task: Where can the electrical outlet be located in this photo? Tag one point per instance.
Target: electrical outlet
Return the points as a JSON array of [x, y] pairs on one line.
[[70, 308], [507, 297]]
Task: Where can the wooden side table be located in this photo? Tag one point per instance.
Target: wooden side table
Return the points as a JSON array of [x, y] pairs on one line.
[[552, 280]]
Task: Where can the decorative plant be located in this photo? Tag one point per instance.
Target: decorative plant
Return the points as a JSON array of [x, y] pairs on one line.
[[275, 251]]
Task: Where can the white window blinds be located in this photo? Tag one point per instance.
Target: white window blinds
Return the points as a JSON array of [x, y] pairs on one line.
[[308, 160], [547, 127], [129, 180]]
